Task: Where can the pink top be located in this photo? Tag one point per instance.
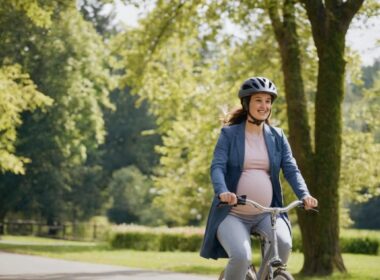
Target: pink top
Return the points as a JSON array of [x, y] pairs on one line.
[[254, 180]]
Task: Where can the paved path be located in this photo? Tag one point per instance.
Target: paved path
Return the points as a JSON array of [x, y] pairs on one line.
[[16, 266]]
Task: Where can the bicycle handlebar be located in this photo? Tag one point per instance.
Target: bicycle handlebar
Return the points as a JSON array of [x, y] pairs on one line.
[[242, 200]]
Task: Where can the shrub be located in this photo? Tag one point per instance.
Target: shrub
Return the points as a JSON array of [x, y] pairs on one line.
[[157, 241], [364, 245], [180, 242], [359, 246], [136, 240], [190, 240]]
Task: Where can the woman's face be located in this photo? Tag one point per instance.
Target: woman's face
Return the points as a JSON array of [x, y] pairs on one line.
[[260, 105]]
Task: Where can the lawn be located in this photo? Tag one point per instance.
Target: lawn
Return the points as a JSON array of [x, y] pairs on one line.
[[359, 266]]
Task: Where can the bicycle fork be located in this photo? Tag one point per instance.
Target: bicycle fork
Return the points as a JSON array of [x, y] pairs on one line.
[[270, 265]]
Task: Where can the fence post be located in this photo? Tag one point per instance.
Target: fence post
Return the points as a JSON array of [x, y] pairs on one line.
[[94, 236], [39, 228], [64, 231]]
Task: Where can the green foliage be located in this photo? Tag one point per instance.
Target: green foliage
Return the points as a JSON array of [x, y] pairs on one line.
[[75, 74], [177, 240], [18, 94], [359, 246], [189, 87], [157, 241], [366, 215], [89, 182], [93, 11], [361, 145], [132, 194], [136, 241], [39, 14], [359, 175], [68, 63], [127, 142]]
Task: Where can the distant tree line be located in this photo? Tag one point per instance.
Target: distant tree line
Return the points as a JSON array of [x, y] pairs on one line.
[[65, 125]]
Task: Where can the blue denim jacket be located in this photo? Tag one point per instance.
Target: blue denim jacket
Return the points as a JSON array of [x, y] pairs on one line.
[[226, 169]]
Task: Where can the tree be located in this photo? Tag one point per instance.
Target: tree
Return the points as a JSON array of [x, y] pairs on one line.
[[71, 68], [366, 215], [129, 138], [183, 88], [319, 158], [128, 141], [93, 11], [329, 22], [363, 151], [18, 93], [132, 195]]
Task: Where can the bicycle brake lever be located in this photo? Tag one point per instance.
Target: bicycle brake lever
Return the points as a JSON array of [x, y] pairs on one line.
[[221, 204], [241, 200], [315, 209]]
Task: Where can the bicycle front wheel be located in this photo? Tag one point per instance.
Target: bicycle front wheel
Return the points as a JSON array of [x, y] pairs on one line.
[[281, 274], [221, 276]]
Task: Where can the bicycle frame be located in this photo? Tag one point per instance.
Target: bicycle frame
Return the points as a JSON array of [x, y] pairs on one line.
[[268, 265]]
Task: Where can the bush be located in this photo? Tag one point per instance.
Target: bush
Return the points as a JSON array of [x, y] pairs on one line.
[[359, 246], [190, 240], [157, 241], [297, 242], [180, 242], [365, 245], [136, 240]]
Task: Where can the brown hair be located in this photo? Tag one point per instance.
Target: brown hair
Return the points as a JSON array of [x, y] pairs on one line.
[[236, 116], [239, 115]]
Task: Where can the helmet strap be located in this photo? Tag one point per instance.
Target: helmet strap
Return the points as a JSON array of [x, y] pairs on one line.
[[254, 120], [245, 104]]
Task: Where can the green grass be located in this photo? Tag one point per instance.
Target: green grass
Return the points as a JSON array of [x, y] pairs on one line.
[[358, 233], [359, 266], [41, 240]]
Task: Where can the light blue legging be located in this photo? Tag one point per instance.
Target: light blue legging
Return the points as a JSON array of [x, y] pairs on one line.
[[234, 234]]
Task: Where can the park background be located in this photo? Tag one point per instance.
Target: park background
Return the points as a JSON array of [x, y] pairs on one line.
[[106, 124]]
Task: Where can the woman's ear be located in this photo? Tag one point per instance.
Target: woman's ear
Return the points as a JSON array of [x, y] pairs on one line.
[[245, 102]]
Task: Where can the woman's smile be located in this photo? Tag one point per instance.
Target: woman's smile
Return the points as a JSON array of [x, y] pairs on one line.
[[260, 105]]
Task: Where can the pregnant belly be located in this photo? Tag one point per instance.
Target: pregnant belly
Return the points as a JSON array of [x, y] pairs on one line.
[[256, 185]]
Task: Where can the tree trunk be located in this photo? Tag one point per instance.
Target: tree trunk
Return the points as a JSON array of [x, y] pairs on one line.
[[320, 233], [299, 129], [321, 169]]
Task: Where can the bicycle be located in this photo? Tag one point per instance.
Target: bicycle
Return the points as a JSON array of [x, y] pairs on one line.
[[270, 268]]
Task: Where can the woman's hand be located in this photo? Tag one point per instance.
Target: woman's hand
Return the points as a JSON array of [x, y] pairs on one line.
[[228, 197], [310, 202]]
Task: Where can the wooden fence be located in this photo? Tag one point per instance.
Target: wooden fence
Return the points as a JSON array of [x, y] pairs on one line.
[[71, 231]]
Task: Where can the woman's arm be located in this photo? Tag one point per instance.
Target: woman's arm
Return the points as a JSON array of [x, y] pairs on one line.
[[219, 164]]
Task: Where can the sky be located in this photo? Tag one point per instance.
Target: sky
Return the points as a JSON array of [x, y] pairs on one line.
[[363, 39]]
